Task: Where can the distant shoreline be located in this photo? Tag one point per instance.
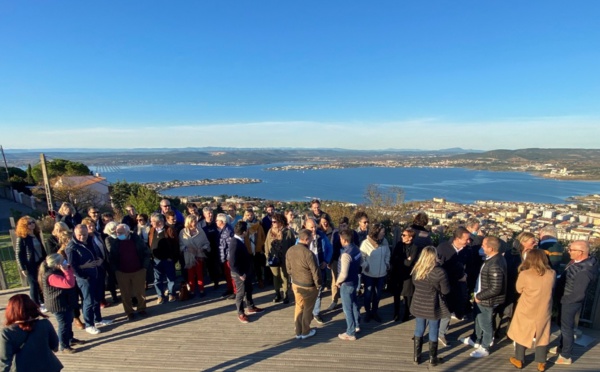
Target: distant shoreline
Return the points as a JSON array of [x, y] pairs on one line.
[[168, 185]]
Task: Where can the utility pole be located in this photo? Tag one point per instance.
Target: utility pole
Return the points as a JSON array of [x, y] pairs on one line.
[[7, 174], [47, 184]]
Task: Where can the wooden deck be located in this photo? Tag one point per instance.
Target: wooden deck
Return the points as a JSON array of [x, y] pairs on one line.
[[205, 335]]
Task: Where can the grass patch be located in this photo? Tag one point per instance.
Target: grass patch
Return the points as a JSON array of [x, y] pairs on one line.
[[9, 263]]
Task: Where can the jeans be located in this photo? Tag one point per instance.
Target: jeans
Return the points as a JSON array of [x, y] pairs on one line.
[[350, 306], [373, 288], [567, 328], [243, 291], [317, 308], [65, 328], [484, 330], [421, 324], [90, 290], [164, 270]]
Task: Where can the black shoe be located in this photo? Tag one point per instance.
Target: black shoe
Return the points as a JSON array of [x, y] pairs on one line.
[[75, 341], [131, 316], [367, 318], [277, 299], [286, 300], [376, 318], [319, 319], [418, 348], [396, 318]]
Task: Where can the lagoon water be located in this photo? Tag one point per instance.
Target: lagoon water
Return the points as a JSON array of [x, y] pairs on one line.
[[454, 184]]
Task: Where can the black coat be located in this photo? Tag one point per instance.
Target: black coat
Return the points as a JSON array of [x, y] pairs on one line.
[[493, 282], [402, 261], [428, 302], [26, 254]]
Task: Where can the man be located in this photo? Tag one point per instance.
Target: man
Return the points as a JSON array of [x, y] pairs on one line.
[[164, 245], [192, 209], [301, 265], [129, 258], [347, 282], [267, 220], [87, 266], [213, 263], [255, 242], [225, 235], [448, 257], [315, 210], [94, 214], [490, 292], [165, 206], [130, 218], [549, 243], [571, 289], [232, 217], [241, 265], [472, 256], [320, 246]]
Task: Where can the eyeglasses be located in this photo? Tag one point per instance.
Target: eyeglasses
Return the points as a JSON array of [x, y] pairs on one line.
[[165, 205], [140, 219], [574, 250], [31, 223]]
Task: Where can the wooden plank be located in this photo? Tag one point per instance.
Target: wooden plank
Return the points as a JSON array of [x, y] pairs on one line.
[[205, 335]]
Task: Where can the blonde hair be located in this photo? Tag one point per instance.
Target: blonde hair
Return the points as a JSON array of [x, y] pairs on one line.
[[425, 264], [190, 221], [66, 209], [58, 228]]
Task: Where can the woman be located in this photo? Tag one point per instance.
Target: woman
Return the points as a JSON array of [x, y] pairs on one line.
[[64, 239], [28, 338], [403, 260], [375, 252], [51, 244], [431, 284], [291, 221], [194, 246], [57, 280], [534, 309], [279, 238], [30, 254], [362, 231], [69, 215], [523, 243]]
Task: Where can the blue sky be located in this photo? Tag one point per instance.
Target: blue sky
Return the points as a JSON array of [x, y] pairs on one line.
[[349, 74]]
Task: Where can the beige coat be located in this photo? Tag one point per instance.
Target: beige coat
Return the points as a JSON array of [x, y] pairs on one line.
[[532, 316]]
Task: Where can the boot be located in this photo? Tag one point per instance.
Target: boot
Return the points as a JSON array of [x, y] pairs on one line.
[[418, 349], [433, 352], [286, 299], [277, 297], [78, 323]]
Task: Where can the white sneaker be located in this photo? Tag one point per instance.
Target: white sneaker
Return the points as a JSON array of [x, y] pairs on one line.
[[553, 350], [104, 322], [468, 341], [479, 353], [92, 330], [310, 334], [43, 308]]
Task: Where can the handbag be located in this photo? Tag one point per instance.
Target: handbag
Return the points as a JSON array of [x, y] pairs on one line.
[[274, 258]]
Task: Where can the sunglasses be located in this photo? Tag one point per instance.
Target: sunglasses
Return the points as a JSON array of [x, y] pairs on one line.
[[31, 223]]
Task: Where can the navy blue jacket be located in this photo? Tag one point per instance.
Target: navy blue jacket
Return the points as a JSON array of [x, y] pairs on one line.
[[240, 260]]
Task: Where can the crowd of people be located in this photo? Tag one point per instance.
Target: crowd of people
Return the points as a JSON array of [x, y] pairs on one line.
[[470, 275]]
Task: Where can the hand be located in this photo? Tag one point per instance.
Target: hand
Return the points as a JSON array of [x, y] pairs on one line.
[[476, 300], [24, 273], [323, 265], [88, 265], [338, 285], [243, 277]]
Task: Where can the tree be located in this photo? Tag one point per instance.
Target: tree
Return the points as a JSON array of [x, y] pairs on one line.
[[386, 206], [30, 180], [142, 198], [60, 167], [80, 197]]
